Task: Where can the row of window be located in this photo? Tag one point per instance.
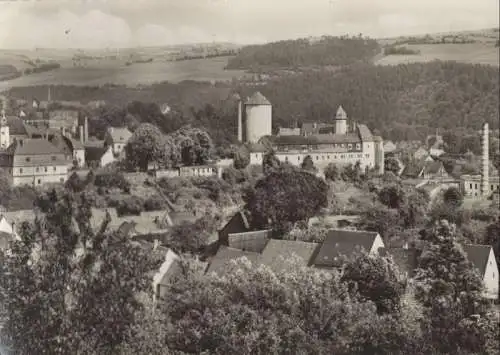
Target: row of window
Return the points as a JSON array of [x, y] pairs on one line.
[[333, 145], [39, 181], [340, 156], [28, 159], [46, 169], [492, 187]]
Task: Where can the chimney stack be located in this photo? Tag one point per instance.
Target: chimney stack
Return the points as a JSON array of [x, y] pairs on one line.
[[86, 129], [485, 162], [82, 138], [240, 121]]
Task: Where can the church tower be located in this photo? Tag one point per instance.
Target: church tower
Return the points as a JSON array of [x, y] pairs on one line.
[[4, 132]]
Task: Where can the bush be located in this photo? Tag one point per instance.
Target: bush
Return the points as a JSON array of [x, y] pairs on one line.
[[132, 205], [112, 180], [155, 203]]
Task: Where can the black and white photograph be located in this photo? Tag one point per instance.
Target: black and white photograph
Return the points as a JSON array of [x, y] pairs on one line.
[[249, 177]]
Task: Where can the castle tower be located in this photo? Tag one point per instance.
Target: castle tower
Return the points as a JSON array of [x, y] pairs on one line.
[[258, 112], [341, 121], [485, 162], [4, 132]]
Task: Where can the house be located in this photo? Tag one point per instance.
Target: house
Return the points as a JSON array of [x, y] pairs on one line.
[[167, 272], [277, 252], [433, 170], [257, 152], [339, 242], [254, 241], [238, 223], [35, 162], [224, 255], [98, 155], [117, 138], [483, 259]]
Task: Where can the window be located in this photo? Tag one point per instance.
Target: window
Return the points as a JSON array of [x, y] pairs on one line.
[[471, 186], [298, 158], [492, 187], [28, 159], [37, 170], [39, 181], [475, 186], [358, 146], [21, 171], [54, 169], [53, 157], [349, 146], [317, 157]]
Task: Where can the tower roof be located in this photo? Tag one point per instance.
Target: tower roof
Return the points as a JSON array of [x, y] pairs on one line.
[[257, 99], [341, 114]]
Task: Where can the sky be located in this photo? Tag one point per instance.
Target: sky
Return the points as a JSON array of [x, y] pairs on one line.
[[131, 23]]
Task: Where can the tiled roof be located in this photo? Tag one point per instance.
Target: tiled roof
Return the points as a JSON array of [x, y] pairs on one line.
[[34, 147], [254, 241], [432, 167], [364, 132], [478, 255], [16, 126], [277, 252], [257, 99], [120, 134], [224, 255], [316, 139], [94, 153], [256, 148], [342, 242], [317, 128], [405, 259]]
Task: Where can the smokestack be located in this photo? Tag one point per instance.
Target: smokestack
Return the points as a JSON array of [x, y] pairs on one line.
[[82, 138], [240, 121], [86, 129], [485, 183]]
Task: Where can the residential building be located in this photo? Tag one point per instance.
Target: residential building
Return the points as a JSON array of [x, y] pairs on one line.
[[64, 118], [470, 185], [117, 138], [35, 162]]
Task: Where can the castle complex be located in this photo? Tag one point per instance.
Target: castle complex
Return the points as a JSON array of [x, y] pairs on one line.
[[339, 141]]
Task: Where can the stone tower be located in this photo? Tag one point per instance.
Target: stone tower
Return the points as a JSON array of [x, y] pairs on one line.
[[341, 121], [258, 114], [485, 162]]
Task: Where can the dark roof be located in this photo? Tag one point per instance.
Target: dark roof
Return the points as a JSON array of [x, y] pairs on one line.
[[224, 255], [342, 242], [315, 139], [257, 99], [120, 134], [317, 128], [16, 126], [34, 147], [478, 255], [277, 252], [405, 259], [94, 153], [432, 167], [249, 241], [256, 147]]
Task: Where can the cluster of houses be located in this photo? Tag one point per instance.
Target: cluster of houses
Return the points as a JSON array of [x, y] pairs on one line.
[[237, 240]]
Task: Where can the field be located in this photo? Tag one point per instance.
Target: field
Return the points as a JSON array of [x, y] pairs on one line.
[[474, 53], [116, 72]]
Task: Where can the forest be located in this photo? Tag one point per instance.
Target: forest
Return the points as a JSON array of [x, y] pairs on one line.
[[305, 52]]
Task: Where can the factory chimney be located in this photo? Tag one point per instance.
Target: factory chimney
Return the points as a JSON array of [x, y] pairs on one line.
[[240, 120], [485, 162], [81, 134], [86, 129]]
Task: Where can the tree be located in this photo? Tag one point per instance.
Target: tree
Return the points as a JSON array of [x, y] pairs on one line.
[[75, 183], [144, 147], [392, 196], [308, 164], [196, 146], [376, 279], [451, 290], [332, 172], [285, 197], [241, 158], [391, 165], [452, 197], [67, 287], [270, 162]]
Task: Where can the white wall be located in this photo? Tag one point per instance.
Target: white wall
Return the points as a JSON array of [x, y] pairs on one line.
[[377, 244], [491, 277], [258, 122]]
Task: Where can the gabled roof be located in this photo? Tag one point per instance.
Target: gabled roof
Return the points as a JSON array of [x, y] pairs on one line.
[[405, 259], [478, 255], [254, 241], [120, 134], [315, 139], [277, 252], [225, 254], [342, 242], [364, 132], [94, 153], [432, 167], [257, 99], [34, 147]]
